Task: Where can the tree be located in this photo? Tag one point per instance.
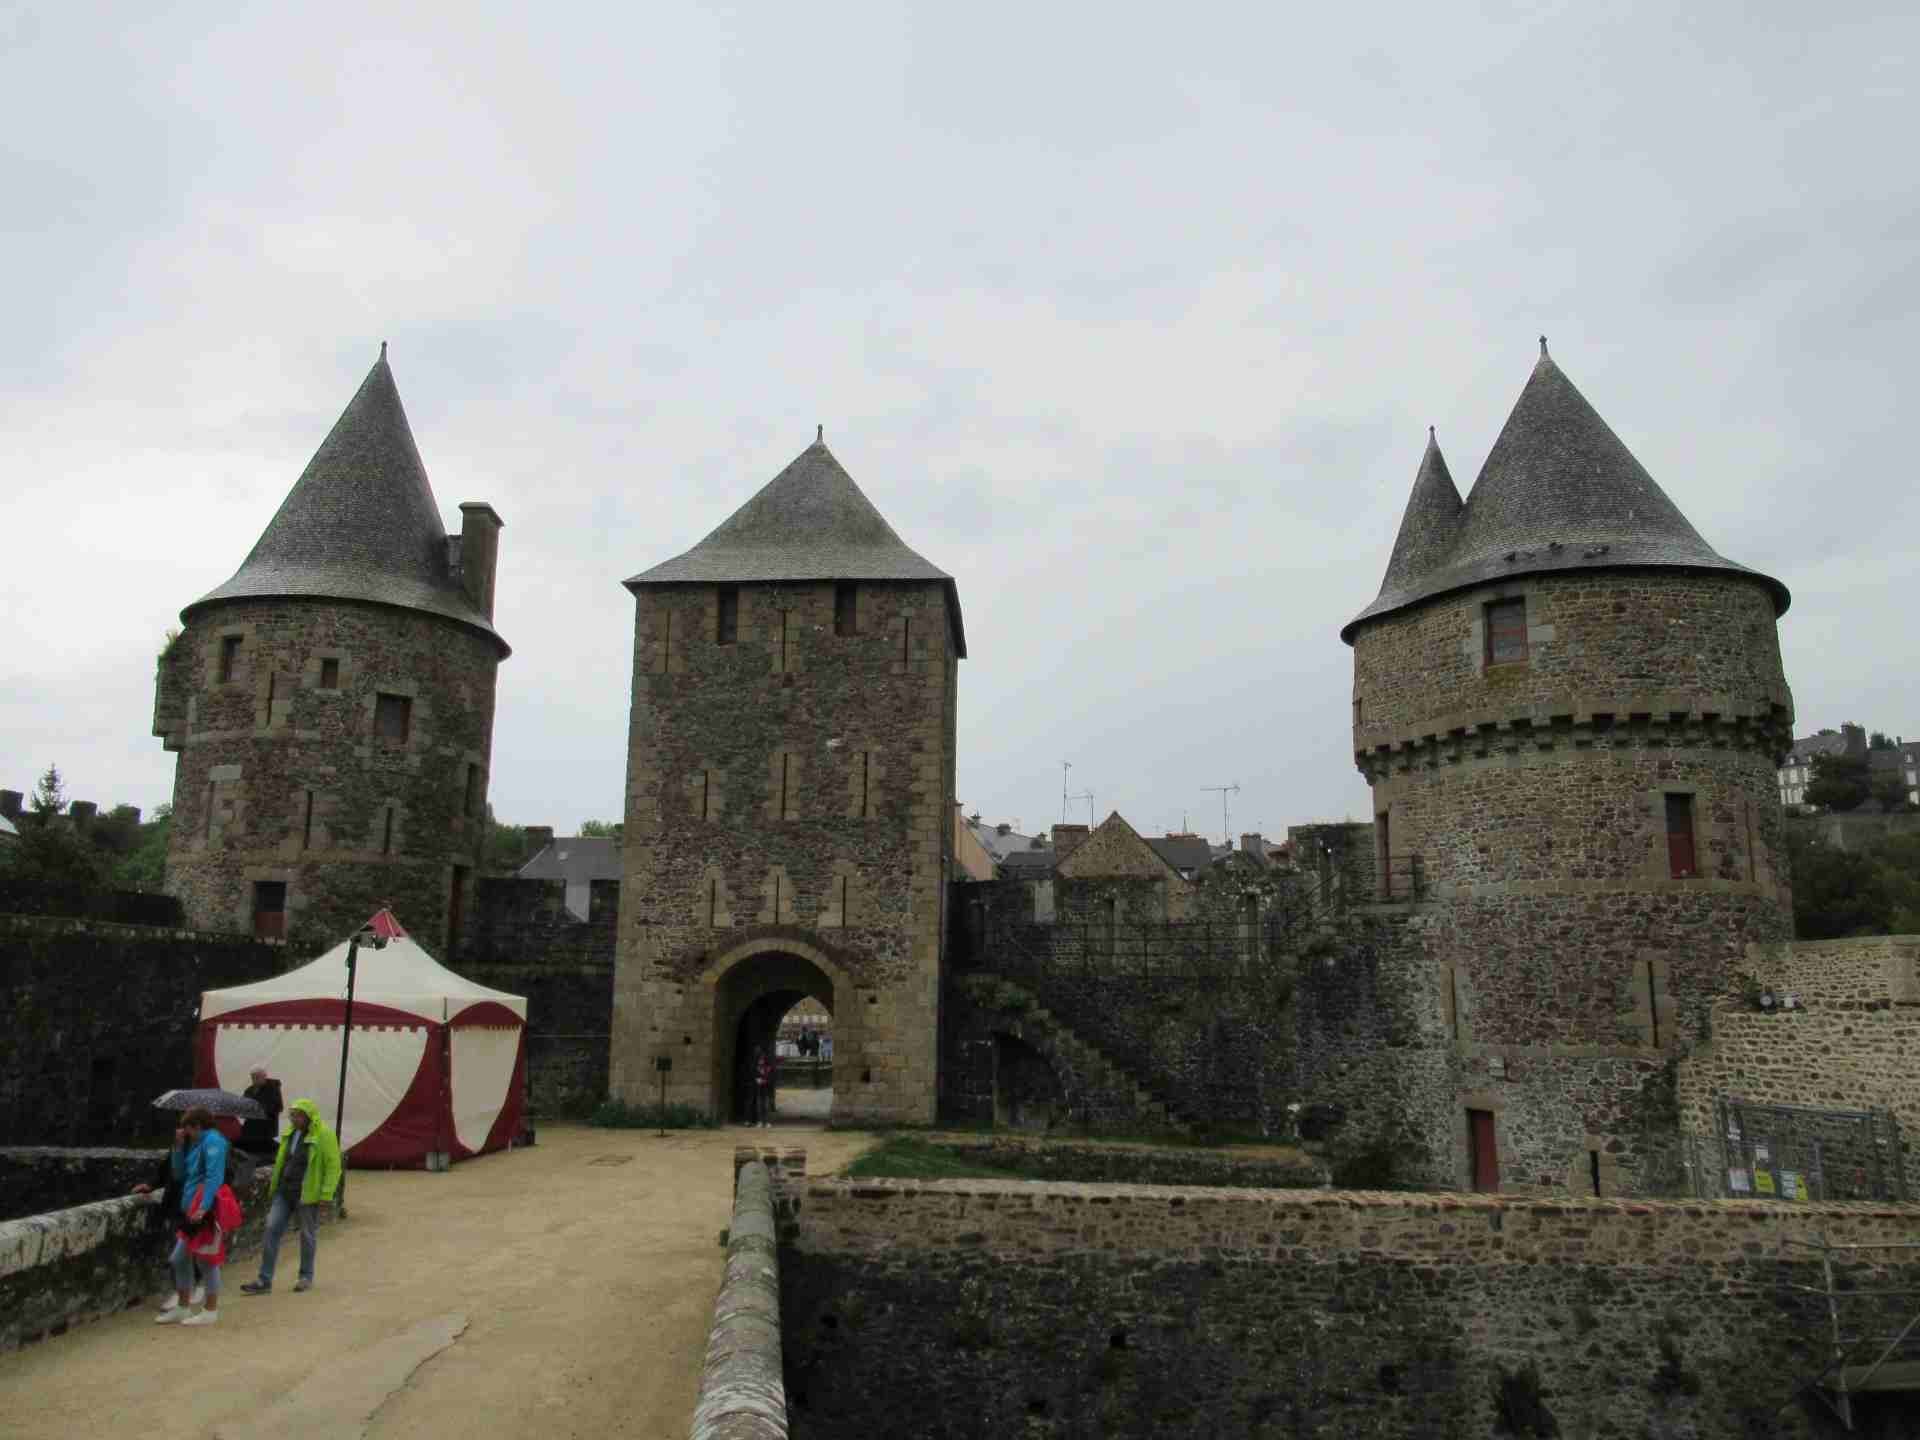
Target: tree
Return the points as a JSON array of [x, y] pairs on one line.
[[1880, 741], [506, 847], [143, 865], [1889, 791], [50, 795], [604, 829], [1840, 782]]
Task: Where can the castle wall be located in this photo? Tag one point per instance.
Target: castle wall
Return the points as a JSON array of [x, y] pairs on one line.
[[789, 795], [526, 942], [100, 1019], [1560, 961], [283, 777], [967, 1308], [1852, 1042]]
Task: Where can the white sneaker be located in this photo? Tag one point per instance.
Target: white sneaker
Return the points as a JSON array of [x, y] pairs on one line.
[[202, 1317], [199, 1295], [172, 1315]]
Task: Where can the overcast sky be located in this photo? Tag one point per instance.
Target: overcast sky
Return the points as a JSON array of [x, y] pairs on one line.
[[1132, 318]]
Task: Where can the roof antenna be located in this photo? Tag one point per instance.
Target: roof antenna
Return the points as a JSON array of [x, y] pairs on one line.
[[1543, 347], [819, 434]]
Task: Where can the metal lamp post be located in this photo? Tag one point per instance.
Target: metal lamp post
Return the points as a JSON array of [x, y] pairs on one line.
[[379, 942]]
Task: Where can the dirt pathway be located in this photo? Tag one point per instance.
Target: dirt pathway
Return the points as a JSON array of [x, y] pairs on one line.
[[578, 1278]]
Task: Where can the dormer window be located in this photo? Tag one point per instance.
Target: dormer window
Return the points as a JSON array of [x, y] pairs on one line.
[[1507, 632]]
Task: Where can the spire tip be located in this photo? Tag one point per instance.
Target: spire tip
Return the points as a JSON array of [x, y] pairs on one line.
[[1543, 347]]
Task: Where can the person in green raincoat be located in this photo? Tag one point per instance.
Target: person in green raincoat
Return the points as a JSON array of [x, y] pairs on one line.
[[306, 1175]]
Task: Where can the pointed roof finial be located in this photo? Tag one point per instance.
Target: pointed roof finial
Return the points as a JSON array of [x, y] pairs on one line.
[[1543, 347], [383, 349], [819, 434], [1430, 434]]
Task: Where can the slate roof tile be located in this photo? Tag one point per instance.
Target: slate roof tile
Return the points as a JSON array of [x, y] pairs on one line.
[[1559, 492], [360, 523], [810, 522]]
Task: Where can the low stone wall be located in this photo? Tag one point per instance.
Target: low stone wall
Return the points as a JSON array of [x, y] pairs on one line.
[[1134, 1164], [968, 1308], [1873, 970], [742, 1395], [35, 1179], [61, 1269]]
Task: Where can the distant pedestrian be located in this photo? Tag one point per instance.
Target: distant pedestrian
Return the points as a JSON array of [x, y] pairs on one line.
[[763, 1088], [258, 1137], [306, 1176], [208, 1212]]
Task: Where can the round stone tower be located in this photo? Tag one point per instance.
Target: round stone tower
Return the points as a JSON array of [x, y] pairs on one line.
[[332, 703], [1570, 709]]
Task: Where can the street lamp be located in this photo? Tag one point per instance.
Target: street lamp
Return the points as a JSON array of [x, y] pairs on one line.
[[369, 935]]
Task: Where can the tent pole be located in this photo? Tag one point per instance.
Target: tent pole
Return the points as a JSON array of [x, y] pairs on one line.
[[340, 1104]]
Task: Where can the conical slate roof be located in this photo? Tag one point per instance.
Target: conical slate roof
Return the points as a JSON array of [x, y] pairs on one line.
[[810, 522], [1559, 492], [1431, 525], [360, 523]]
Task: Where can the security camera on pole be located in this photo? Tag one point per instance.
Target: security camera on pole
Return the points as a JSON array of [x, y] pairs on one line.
[[367, 934]]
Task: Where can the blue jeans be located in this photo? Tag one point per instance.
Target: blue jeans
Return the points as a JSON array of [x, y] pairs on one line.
[[278, 1218], [184, 1266]]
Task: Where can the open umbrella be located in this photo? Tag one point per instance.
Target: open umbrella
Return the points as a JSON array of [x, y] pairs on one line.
[[216, 1102]]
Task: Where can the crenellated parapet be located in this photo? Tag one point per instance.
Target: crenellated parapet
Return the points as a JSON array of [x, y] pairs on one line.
[[1634, 724]]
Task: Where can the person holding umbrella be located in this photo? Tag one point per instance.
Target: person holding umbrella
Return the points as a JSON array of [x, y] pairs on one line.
[[200, 1168], [306, 1175]]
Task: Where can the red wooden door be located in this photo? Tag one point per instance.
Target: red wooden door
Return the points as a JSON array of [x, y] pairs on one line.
[[1486, 1159]]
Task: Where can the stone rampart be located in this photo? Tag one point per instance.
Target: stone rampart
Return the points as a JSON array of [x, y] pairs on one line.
[[965, 1308], [526, 941], [101, 1019], [38, 1178], [69, 1266], [1873, 971], [742, 1395]]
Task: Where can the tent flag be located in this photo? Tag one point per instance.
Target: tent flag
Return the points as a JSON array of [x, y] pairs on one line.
[[438, 1062]]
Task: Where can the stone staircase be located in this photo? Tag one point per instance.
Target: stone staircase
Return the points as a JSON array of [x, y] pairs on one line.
[[1101, 1090]]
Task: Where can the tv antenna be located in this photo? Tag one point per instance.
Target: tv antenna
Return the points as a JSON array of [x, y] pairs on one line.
[[1086, 795], [1226, 831]]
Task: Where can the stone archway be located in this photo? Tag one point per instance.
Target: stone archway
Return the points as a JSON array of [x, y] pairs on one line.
[[1028, 1093], [751, 992]]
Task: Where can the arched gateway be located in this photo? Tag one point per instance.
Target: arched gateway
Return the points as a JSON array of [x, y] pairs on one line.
[[789, 820]]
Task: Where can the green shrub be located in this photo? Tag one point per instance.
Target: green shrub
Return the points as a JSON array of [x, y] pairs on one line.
[[618, 1115]]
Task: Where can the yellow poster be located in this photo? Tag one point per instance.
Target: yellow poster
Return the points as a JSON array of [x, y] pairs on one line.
[[1763, 1182]]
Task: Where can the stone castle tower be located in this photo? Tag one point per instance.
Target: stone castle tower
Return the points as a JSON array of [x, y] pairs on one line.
[[788, 819], [332, 703], [1570, 710]]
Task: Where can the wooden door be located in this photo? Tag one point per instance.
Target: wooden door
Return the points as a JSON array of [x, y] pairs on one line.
[[1480, 1145]]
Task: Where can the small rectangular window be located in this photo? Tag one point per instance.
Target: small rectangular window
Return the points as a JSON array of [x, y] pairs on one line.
[[1358, 708], [844, 612], [1680, 850], [1507, 632], [728, 629], [329, 674], [471, 804], [229, 653], [306, 823], [386, 831], [393, 718], [270, 909]]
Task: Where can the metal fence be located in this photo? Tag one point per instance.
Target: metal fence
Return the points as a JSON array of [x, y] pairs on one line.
[[1791, 1154]]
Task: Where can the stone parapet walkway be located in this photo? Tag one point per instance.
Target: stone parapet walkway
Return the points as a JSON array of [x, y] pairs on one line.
[[576, 1281]]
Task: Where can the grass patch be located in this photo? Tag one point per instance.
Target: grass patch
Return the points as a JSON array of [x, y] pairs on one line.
[[905, 1158], [618, 1115]]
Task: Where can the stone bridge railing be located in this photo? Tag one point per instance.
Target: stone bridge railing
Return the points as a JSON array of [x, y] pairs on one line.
[[86, 1262], [743, 1394]]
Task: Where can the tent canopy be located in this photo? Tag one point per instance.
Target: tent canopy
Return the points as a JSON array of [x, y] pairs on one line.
[[401, 977]]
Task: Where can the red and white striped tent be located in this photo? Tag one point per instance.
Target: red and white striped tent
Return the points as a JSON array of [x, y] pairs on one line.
[[437, 1068]]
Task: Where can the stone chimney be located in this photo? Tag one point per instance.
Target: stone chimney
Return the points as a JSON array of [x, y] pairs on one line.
[[1066, 839], [1855, 737], [480, 526], [82, 812], [10, 803], [1255, 846], [538, 838]]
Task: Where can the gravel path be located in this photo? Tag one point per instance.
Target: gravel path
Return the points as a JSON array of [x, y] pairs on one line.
[[578, 1278]]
